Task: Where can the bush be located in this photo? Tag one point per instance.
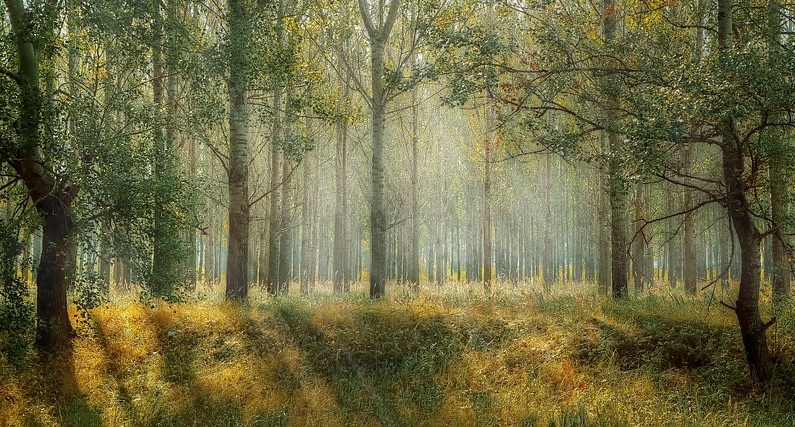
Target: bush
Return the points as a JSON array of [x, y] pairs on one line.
[[16, 308]]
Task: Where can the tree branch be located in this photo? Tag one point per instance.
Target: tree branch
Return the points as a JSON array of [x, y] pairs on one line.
[[12, 75], [368, 22], [391, 17]]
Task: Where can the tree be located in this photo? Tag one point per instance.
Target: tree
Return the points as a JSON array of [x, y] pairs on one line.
[[167, 257], [487, 260], [414, 257], [734, 149], [237, 83], [689, 257], [779, 171], [30, 156], [616, 187], [340, 261], [378, 31]]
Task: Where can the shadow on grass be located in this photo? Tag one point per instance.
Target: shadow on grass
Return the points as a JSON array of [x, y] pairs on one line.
[[660, 343], [60, 388], [379, 362]]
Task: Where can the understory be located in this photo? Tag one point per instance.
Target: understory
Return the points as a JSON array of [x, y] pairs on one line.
[[438, 357]]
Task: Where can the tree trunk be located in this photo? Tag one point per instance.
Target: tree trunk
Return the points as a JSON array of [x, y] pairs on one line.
[[237, 260], [487, 217], [639, 244], [340, 261], [752, 328], [674, 249], [274, 217], [377, 208], [549, 246], [104, 259], [209, 246], [441, 253], [779, 177], [618, 222], [616, 186], [378, 33], [54, 328], [747, 309], [306, 229], [414, 258], [275, 227], [604, 233], [285, 237], [165, 266]]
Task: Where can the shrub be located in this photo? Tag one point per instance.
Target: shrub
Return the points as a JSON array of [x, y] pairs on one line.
[[16, 308]]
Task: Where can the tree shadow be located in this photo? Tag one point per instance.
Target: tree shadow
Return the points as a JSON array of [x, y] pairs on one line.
[[61, 389], [376, 362]]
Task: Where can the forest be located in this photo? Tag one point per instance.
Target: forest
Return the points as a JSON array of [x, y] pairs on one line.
[[397, 212]]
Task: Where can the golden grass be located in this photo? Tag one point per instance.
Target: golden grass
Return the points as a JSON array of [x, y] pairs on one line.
[[442, 357]]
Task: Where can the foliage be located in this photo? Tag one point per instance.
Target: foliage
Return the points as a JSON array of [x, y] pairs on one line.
[[89, 292], [17, 320]]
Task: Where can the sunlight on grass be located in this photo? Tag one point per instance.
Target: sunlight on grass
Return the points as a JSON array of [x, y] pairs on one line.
[[441, 357]]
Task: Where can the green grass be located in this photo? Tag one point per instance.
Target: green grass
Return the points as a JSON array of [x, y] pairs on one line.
[[441, 357]]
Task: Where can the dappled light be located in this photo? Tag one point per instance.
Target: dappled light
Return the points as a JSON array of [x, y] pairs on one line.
[[431, 358], [558, 213]]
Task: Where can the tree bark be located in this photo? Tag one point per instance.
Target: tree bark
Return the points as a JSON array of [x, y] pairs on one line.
[[306, 229], [275, 227], [209, 246], [274, 217], [747, 308], [237, 260], [549, 246], [377, 208], [165, 266], [618, 223], [779, 204], [640, 263], [617, 185]]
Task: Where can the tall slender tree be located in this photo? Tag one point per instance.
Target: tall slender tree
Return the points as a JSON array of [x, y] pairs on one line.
[[239, 33], [378, 21], [617, 187], [340, 255]]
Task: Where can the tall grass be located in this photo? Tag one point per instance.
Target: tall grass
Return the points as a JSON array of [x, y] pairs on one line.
[[443, 356]]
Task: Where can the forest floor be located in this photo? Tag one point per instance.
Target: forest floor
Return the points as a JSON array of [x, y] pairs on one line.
[[440, 357]]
